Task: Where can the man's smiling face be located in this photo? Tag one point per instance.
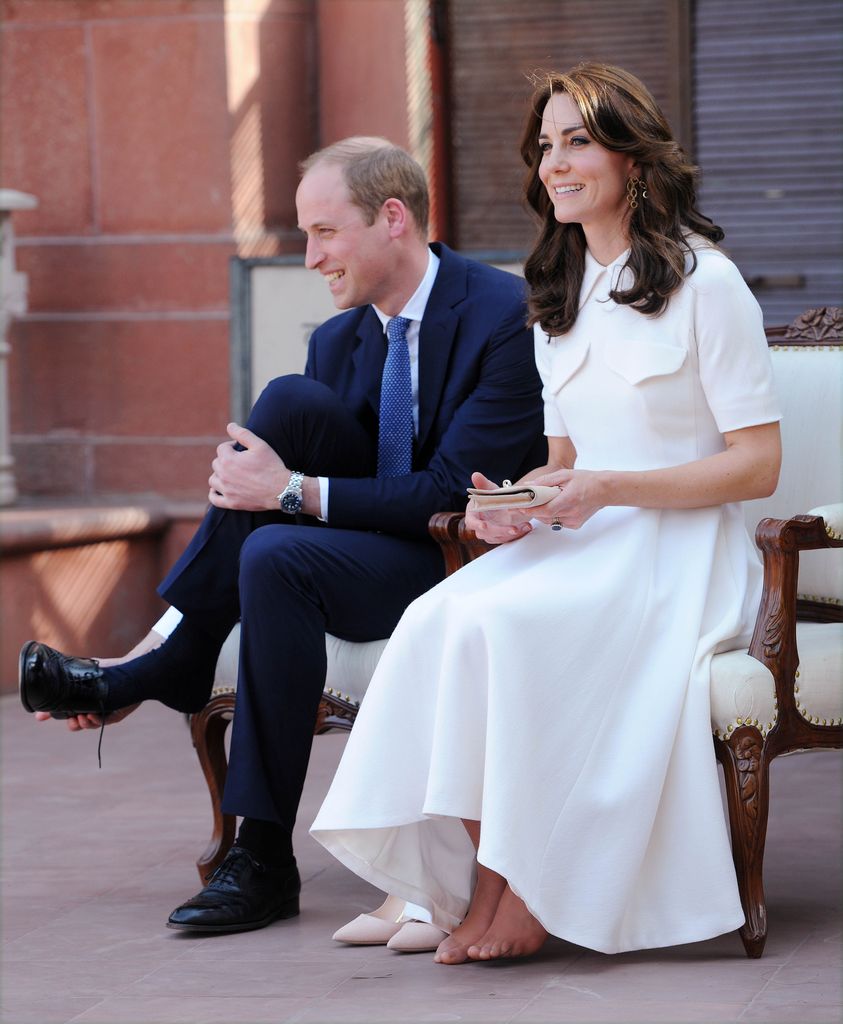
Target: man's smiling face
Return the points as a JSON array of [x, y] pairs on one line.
[[350, 254]]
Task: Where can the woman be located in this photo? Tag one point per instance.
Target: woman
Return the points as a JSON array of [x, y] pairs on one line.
[[558, 687]]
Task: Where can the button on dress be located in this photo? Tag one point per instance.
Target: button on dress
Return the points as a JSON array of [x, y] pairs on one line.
[[557, 689]]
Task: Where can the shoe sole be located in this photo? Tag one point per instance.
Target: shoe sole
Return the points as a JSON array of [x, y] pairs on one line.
[[287, 910], [407, 951], [362, 942], [24, 654]]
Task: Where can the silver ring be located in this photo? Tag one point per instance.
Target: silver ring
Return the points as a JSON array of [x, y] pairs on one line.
[[556, 525]]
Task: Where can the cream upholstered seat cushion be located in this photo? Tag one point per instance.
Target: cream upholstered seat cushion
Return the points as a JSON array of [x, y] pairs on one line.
[[350, 665], [743, 692]]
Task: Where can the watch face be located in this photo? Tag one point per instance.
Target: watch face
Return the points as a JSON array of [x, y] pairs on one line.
[[291, 503]]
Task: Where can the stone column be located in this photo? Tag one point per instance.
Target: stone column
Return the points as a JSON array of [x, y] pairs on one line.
[[12, 303]]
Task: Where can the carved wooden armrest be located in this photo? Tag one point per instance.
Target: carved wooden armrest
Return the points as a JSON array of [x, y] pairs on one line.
[[774, 638], [459, 544]]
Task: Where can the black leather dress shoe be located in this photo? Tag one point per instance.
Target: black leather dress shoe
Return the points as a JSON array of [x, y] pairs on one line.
[[51, 681], [241, 895]]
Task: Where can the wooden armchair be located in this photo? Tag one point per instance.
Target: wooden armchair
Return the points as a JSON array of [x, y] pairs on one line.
[[795, 702], [783, 694]]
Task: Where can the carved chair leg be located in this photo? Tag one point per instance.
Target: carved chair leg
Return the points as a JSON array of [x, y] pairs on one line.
[[746, 771], [207, 729]]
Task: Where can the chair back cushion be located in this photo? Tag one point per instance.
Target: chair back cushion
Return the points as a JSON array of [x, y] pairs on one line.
[[810, 384]]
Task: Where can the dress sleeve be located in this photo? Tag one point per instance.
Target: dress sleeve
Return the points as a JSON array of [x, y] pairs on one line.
[[736, 371], [554, 425]]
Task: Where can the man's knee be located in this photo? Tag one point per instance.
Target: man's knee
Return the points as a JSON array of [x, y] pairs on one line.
[[292, 395], [276, 554]]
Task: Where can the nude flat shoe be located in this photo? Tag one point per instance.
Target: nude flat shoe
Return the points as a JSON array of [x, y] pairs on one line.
[[416, 937], [375, 928]]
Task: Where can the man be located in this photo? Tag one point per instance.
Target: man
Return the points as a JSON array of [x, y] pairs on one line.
[[428, 376]]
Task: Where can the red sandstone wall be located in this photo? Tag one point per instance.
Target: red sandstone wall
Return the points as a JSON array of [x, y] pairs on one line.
[[151, 167], [362, 84]]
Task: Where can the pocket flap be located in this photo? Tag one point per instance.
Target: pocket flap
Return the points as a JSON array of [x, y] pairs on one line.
[[638, 360]]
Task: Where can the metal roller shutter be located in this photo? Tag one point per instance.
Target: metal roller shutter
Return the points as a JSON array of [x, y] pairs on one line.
[[768, 114], [494, 45]]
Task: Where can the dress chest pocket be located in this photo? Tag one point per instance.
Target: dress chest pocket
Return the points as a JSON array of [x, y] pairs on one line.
[[567, 358], [637, 360]]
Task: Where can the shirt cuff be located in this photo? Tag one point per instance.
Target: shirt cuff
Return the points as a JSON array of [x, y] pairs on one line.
[[168, 622], [324, 485]]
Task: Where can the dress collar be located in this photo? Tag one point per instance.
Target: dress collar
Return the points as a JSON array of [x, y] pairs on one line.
[[607, 276]]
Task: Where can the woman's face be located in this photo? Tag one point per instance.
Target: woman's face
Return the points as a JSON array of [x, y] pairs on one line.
[[586, 182]]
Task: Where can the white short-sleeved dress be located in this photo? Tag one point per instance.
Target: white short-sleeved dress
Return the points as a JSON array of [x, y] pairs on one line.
[[557, 689]]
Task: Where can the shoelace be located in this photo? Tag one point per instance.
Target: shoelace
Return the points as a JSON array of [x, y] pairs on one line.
[[103, 715], [228, 871], [102, 730]]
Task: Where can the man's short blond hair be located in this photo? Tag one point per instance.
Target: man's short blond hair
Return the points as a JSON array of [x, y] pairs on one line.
[[375, 170]]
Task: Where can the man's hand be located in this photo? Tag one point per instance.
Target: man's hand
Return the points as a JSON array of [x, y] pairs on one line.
[[500, 526], [250, 480], [81, 722]]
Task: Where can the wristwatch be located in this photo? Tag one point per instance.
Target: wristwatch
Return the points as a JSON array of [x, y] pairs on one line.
[[290, 498]]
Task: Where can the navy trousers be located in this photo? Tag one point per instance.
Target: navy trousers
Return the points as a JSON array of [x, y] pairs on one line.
[[289, 581]]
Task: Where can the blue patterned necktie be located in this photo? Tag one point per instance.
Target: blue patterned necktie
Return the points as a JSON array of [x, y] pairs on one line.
[[395, 433]]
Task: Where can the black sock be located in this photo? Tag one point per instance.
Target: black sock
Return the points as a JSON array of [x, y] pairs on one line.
[[270, 842], [179, 673]]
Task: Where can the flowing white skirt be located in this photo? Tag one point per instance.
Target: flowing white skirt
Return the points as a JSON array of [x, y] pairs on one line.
[[557, 690]]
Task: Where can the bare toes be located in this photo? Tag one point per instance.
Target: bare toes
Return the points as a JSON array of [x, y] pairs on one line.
[[450, 952]]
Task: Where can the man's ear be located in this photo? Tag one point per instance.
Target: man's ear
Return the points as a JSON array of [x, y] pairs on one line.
[[397, 217]]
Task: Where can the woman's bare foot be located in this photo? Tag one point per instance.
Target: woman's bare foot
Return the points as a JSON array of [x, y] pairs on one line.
[[481, 913], [513, 932]]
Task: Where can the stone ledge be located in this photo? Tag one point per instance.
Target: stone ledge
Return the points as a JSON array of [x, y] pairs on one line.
[[43, 527]]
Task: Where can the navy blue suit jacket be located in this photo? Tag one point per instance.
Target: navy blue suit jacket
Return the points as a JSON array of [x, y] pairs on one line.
[[479, 396]]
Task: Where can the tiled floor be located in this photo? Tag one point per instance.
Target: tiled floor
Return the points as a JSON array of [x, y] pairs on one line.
[[94, 861]]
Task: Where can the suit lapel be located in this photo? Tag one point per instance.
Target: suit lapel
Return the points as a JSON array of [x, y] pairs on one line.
[[437, 335], [368, 358]]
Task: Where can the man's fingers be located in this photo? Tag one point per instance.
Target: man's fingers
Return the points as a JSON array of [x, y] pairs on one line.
[[76, 724], [243, 436]]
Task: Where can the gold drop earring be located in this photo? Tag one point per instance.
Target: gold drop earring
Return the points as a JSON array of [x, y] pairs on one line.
[[632, 185]]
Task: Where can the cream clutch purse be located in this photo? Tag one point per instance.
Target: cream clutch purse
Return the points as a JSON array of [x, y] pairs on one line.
[[511, 496]]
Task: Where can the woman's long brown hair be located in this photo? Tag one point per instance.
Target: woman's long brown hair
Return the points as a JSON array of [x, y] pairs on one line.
[[621, 115]]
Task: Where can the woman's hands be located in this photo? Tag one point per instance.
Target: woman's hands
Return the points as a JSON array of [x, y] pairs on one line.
[[500, 526], [579, 498]]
